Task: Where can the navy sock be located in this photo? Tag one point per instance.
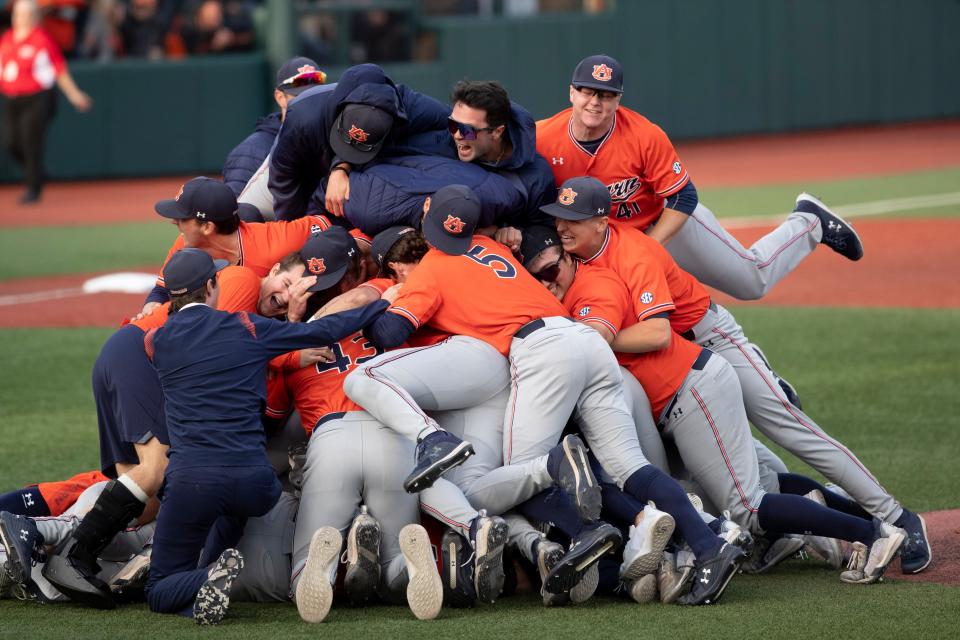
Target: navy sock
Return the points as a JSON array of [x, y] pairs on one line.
[[795, 514], [802, 485], [609, 568], [554, 506], [618, 507], [25, 502], [649, 483]]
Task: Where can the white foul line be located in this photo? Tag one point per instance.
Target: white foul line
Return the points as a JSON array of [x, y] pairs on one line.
[[857, 210], [40, 296]]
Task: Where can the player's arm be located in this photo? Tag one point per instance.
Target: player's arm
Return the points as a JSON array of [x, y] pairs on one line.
[[275, 337], [416, 303], [356, 297], [678, 209], [653, 334]]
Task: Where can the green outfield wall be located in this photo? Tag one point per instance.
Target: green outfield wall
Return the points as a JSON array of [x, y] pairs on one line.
[[700, 68]]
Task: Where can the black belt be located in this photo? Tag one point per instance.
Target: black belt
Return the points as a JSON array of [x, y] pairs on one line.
[[698, 365], [336, 415], [689, 334], [529, 328]]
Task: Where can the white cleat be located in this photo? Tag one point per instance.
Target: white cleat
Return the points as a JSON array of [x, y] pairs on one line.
[[424, 589], [315, 589]]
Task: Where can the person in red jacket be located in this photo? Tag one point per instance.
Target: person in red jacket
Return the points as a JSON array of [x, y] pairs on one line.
[[30, 64]]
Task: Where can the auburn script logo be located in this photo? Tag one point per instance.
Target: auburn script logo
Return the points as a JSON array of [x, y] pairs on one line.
[[453, 225], [316, 266], [602, 72], [567, 196], [358, 134]]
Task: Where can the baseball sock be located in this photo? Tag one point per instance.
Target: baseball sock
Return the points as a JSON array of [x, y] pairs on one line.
[[649, 483], [795, 514], [25, 502], [553, 506], [801, 485], [619, 507]]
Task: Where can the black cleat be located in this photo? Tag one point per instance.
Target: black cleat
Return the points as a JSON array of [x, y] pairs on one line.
[[585, 550], [570, 468], [22, 540], [363, 558], [915, 555], [437, 453], [711, 577], [837, 232], [456, 573], [488, 536]]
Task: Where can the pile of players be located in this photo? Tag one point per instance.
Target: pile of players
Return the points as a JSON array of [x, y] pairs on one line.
[[465, 332]]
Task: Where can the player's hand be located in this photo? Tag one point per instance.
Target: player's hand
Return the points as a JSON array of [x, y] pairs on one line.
[[338, 192], [313, 356], [509, 236], [391, 294], [297, 296], [81, 101], [147, 310]]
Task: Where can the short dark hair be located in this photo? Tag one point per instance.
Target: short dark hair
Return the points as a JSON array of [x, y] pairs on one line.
[[488, 95], [226, 227], [408, 249], [197, 295]]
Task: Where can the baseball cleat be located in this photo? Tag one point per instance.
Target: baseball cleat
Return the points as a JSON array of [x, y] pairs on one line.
[[916, 554], [315, 589], [488, 536], [127, 584], [866, 566], [457, 571], [549, 554], [825, 549], [733, 533], [22, 540], [362, 558], [570, 469], [584, 590], [585, 550], [837, 232], [670, 579], [711, 577], [437, 453], [644, 548], [213, 599], [767, 554], [695, 501], [643, 590], [424, 588]]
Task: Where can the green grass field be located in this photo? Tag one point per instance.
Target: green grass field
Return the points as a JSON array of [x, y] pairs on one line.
[[882, 381]]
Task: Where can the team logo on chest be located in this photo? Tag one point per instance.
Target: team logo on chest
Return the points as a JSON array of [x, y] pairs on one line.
[[316, 266], [358, 134], [624, 189], [567, 196], [602, 72], [452, 224]]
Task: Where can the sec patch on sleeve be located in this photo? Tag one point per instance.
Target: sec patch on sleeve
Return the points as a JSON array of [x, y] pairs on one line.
[[646, 297]]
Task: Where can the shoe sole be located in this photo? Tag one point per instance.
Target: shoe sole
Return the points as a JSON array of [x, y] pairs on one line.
[[544, 566], [569, 571], [785, 552], [488, 576], [644, 590], [898, 540], [15, 565], [424, 588], [670, 596], [213, 601], [584, 590], [361, 577], [60, 573], [426, 478], [817, 201], [584, 488], [314, 591], [647, 563], [131, 572], [926, 538]]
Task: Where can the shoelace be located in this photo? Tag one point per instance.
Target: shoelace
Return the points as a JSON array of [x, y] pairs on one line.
[[856, 559]]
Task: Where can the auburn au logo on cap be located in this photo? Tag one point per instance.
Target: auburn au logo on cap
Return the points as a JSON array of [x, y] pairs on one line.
[[452, 224], [316, 266], [358, 134], [306, 68], [602, 72], [567, 196]]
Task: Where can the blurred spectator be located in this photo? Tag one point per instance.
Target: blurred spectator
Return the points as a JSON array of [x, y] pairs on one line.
[[101, 40], [142, 30], [316, 33], [380, 36], [219, 27]]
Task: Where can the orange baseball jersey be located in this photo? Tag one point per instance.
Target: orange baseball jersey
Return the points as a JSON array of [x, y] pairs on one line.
[[637, 162], [422, 337], [263, 244], [484, 294], [60, 496], [598, 295], [318, 389], [622, 251]]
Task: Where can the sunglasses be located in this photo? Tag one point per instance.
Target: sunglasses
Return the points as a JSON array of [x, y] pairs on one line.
[[467, 131], [303, 80], [602, 95], [549, 273]]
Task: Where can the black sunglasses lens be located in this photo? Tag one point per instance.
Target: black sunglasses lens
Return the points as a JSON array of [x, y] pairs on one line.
[[548, 274], [467, 132]]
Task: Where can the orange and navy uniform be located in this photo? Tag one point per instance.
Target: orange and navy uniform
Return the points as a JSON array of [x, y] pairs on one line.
[[422, 337], [61, 495], [636, 162], [631, 254], [598, 295], [262, 245], [483, 294], [239, 291]]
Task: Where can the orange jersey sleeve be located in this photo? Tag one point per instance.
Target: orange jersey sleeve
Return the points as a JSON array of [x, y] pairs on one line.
[[378, 284], [177, 245], [60, 496], [156, 318], [239, 290], [279, 402], [598, 295], [263, 244], [484, 294]]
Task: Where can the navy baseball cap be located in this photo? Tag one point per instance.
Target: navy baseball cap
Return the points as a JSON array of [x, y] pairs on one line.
[[327, 256], [189, 269], [535, 240], [599, 72], [580, 198], [453, 216], [359, 131], [205, 199], [299, 74], [384, 241]]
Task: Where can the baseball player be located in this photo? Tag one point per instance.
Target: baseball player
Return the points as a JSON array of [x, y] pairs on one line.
[[709, 325], [651, 190], [48, 498]]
